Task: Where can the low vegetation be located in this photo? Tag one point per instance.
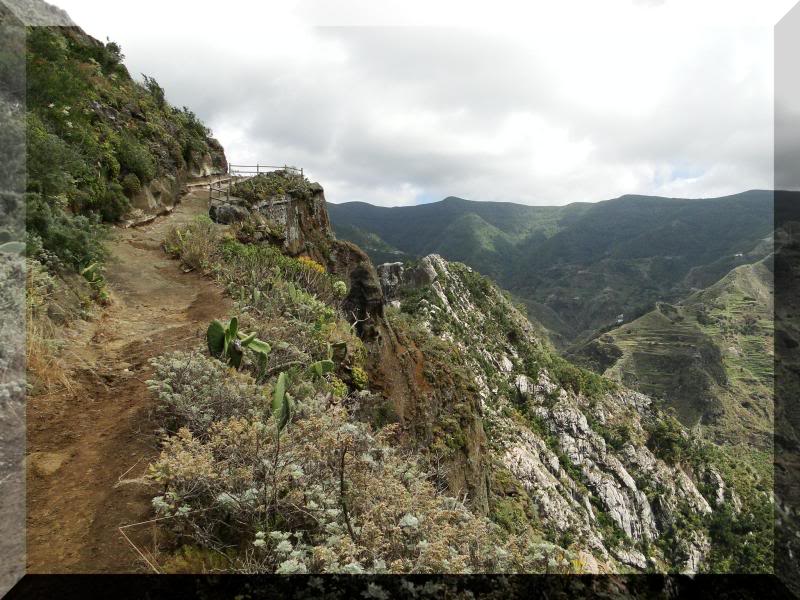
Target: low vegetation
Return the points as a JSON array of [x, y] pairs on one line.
[[277, 473], [95, 139], [273, 185]]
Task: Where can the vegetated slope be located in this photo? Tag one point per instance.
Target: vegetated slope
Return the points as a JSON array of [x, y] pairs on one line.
[[710, 356], [551, 424], [446, 423], [101, 147], [579, 266]]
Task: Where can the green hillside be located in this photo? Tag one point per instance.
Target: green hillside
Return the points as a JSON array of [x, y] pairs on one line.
[[577, 267], [101, 147], [709, 357]]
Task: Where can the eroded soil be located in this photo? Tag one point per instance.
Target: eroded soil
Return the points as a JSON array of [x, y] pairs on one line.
[[87, 446]]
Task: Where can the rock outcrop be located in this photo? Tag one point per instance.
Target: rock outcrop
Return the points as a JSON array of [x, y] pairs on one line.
[[611, 494], [295, 218]]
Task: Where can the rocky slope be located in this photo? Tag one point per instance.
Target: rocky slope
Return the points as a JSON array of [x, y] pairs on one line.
[[568, 455]]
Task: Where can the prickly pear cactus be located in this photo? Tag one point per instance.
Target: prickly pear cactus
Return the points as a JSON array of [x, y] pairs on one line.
[[215, 336]]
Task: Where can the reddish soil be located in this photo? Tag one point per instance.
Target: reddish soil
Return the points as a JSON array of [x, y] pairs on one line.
[[88, 446]]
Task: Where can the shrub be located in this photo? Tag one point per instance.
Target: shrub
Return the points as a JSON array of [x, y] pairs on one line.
[[135, 158], [331, 496], [195, 244], [131, 184], [311, 264], [338, 387], [668, 440], [360, 378], [76, 240], [156, 91], [194, 391], [114, 204], [340, 288]]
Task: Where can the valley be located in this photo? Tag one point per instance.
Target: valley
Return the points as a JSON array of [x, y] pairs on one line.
[[577, 267]]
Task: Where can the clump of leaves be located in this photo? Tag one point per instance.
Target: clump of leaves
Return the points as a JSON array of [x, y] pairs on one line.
[[360, 378], [228, 343]]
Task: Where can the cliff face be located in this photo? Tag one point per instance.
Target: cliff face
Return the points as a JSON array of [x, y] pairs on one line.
[[563, 453], [293, 215]]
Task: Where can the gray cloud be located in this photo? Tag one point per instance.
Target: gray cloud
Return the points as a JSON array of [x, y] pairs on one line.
[[554, 114]]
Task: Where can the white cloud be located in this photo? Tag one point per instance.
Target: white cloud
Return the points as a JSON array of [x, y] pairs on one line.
[[542, 104]]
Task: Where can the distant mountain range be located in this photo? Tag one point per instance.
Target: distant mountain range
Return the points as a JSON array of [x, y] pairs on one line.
[[579, 268]]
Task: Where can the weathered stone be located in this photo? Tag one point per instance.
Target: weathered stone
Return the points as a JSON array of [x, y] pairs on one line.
[[391, 277], [226, 213], [364, 302]]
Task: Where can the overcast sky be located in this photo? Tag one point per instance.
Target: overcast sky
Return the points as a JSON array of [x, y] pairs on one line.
[[397, 103]]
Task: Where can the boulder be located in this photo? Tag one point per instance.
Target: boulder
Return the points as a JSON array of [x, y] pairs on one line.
[[226, 213]]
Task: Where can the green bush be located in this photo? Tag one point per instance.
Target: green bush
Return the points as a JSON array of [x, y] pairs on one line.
[[131, 185], [135, 158], [114, 203], [360, 378], [668, 440], [76, 240]]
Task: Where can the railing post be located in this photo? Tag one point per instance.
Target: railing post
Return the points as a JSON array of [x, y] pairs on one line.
[[258, 168]]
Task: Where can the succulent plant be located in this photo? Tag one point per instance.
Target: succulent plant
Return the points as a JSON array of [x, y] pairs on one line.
[[229, 344], [321, 367], [282, 403]]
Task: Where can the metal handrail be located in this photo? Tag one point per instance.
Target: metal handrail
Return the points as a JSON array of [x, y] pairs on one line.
[[257, 169], [221, 189]]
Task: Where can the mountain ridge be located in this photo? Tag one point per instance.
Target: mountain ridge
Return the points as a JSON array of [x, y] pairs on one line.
[[643, 247]]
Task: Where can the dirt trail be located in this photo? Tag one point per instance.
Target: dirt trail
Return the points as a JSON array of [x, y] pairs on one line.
[[81, 443]]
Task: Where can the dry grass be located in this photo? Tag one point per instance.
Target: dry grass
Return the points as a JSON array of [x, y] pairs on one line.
[[43, 340], [195, 244]]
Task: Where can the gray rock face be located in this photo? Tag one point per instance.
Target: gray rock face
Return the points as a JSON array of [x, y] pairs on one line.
[[158, 194], [227, 213], [576, 480], [391, 277], [425, 272]]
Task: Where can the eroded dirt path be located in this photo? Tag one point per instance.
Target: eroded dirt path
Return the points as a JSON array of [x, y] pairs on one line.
[[82, 443]]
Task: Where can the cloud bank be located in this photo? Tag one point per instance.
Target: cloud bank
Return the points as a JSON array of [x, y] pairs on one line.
[[395, 103]]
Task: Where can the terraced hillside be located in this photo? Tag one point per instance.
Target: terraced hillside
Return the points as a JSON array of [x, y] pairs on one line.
[[709, 357]]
